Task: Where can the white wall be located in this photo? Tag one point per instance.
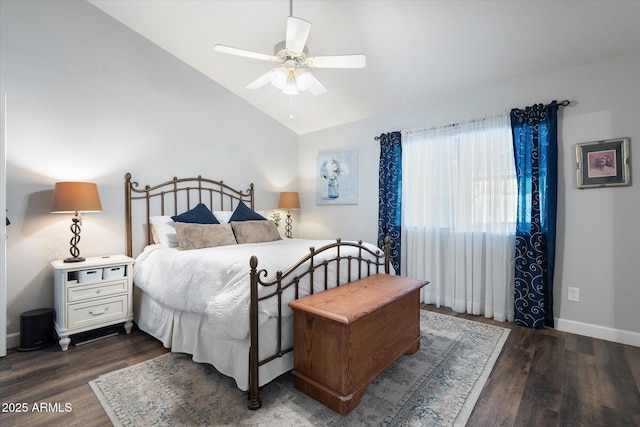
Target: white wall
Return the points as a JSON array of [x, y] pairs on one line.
[[598, 229], [91, 100], [3, 231]]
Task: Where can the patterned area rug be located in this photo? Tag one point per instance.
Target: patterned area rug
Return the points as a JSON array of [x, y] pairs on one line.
[[437, 386]]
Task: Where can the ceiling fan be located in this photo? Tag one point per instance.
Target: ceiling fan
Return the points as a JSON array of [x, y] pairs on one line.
[[293, 55]]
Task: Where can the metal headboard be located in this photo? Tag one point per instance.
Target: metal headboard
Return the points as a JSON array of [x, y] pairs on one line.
[[179, 195]]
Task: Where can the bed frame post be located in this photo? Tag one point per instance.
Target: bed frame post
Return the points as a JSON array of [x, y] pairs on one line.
[[127, 212], [254, 389], [387, 242]]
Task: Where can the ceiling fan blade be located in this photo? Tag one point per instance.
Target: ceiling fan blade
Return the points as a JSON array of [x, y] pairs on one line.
[[241, 52], [297, 34], [260, 81], [316, 87], [339, 61]]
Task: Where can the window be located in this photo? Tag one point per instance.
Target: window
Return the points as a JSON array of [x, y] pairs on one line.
[[460, 177]]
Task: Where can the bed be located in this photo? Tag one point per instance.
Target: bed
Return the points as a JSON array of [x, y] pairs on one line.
[[226, 303]]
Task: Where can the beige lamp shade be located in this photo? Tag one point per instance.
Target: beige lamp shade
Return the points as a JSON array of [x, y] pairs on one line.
[[289, 200], [76, 197]]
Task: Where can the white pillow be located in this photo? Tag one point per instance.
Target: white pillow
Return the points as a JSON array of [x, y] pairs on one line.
[[225, 216], [163, 230]]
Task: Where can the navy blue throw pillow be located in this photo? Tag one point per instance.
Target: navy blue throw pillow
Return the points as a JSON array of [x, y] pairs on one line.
[[198, 215], [245, 213]]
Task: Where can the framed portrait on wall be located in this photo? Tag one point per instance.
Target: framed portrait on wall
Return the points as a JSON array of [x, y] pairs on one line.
[[337, 178], [603, 163]]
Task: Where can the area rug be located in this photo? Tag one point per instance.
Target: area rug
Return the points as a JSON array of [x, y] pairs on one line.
[[437, 386]]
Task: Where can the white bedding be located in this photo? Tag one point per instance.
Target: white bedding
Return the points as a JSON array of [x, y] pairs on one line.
[[190, 333], [215, 281]]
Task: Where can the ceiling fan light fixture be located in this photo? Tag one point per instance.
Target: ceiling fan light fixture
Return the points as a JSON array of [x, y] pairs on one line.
[[279, 78], [303, 79], [291, 88]]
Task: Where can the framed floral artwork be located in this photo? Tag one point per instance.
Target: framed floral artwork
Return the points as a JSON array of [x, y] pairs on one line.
[[603, 163], [337, 178]]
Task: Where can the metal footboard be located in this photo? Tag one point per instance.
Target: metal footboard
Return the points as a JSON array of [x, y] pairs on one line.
[[365, 263]]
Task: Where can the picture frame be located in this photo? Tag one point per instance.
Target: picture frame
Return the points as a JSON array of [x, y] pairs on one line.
[[337, 178], [603, 163]]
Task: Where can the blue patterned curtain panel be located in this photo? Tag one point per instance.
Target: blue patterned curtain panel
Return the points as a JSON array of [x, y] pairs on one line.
[[390, 195], [535, 143]]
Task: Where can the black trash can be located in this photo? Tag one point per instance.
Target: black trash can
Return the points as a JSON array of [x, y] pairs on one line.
[[36, 329]]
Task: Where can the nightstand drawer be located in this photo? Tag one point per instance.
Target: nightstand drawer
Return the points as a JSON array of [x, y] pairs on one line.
[[85, 292], [88, 313]]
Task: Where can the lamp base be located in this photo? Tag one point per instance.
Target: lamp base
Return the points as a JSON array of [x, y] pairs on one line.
[[288, 227], [74, 251]]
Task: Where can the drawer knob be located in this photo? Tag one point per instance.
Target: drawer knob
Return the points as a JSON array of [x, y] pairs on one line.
[[91, 312]]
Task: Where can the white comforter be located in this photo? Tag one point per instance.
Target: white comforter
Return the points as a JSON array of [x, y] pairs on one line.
[[215, 281]]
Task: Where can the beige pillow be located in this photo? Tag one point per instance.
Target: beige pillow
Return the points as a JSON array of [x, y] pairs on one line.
[[255, 231], [198, 236]]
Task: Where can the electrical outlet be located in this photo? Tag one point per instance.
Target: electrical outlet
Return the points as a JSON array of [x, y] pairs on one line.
[[574, 294]]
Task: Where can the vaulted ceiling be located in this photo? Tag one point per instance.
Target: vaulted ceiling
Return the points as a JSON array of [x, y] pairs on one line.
[[418, 52]]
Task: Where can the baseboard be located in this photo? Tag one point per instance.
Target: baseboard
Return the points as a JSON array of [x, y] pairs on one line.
[[572, 326], [600, 332], [13, 340]]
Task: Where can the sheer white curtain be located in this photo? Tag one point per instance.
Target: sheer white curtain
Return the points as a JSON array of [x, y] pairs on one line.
[[459, 199]]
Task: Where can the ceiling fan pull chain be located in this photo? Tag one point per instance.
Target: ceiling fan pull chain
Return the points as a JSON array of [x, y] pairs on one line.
[[291, 106]]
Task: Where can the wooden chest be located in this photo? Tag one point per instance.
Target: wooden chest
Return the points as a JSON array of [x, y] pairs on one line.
[[345, 337]]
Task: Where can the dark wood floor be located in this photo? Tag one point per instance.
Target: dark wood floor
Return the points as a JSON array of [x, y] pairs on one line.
[[542, 378]]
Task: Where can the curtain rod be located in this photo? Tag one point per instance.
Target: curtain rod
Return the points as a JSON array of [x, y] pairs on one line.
[[562, 103]]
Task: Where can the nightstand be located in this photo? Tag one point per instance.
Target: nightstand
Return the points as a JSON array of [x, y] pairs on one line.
[[92, 294]]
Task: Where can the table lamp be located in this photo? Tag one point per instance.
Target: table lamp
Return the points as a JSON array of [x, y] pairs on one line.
[[289, 200], [75, 197]]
